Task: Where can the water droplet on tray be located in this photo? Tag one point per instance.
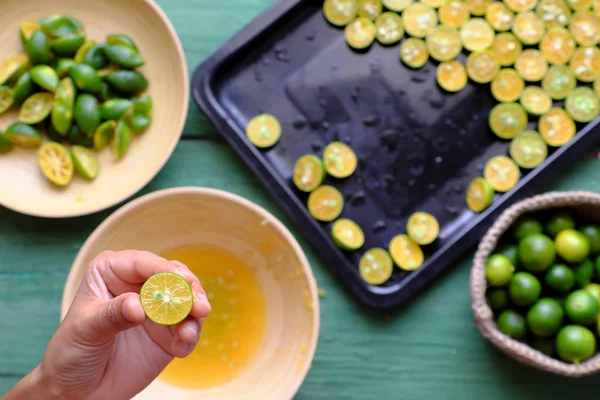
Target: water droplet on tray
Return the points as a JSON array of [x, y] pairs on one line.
[[379, 226], [371, 120], [417, 169], [325, 125], [431, 186], [258, 75], [452, 209], [463, 132], [438, 159], [412, 182], [376, 65], [299, 123], [316, 146], [335, 66], [310, 36], [347, 140], [354, 93], [358, 198], [480, 167]]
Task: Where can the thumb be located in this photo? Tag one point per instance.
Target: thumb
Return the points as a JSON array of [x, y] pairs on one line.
[[116, 315]]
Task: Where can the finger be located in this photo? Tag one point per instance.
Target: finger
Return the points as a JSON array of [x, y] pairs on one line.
[[113, 316], [201, 307], [189, 330], [188, 334], [125, 271]]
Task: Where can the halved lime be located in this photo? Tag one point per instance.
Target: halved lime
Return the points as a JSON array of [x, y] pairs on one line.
[[553, 12], [62, 117], [451, 76], [443, 43], [521, 5], [36, 108], [582, 104], [375, 266], [63, 67], [121, 38], [396, 5], [585, 63], [5, 143], [528, 27], [482, 66], [422, 227], [86, 78], [121, 140], [167, 298], [413, 52], [85, 161], [480, 195], [308, 173], [12, 68], [507, 119], [476, 34], [24, 135], [528, 149], [55, 163], [7, 98], [499, 16], [389, 28], [556, 127], [83, 50], [507, 86], [507, 48], [68, 45], [501, 173], [340, 12], [325, 203], [96, 57], [65, 94], [144, 105], [406, 253], [45, 77], [419, 19], [453, 13], [360, 33], [478, 7], [123, 56], [38, 48], [531, 65], [87, 113], [347, 235], [26, 29], [535, 100], [115, 108], [585, 28], [104, 134], [58, 26], [369, 9], [559, 81], [339, 160], [263, 130], [558, 45]]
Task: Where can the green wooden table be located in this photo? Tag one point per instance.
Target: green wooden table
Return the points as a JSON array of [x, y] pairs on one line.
[[429, 350]]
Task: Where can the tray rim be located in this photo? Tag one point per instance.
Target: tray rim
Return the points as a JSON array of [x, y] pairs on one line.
[[445, 257]]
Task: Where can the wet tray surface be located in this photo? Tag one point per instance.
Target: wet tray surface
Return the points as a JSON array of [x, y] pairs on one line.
[[418, 147]]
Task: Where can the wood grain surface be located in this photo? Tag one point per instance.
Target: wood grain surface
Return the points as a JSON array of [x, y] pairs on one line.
[[429, 350]]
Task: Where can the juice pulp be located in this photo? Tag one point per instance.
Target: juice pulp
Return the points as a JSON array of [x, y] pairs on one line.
[[233, 332]]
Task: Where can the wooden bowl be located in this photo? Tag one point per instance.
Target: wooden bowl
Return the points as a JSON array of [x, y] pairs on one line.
[[585, 205], [23, 188], [182, 216]]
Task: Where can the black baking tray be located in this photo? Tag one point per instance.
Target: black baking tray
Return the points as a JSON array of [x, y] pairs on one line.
[[418, 146]]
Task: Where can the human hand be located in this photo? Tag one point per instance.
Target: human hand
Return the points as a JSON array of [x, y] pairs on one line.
[[106, 348]]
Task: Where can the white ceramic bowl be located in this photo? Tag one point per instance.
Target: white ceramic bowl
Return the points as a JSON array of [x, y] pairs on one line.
[[23, 188], [174, 217]]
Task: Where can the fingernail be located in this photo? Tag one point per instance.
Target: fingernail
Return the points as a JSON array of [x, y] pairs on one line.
[[191, 329], [184, 348], [202, 299]]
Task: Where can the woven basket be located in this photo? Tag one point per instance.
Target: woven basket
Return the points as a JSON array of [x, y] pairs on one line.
[[584, 204]]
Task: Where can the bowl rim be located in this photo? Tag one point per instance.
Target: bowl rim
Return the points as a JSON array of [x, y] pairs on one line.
[[71, 284], [126, 194]]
